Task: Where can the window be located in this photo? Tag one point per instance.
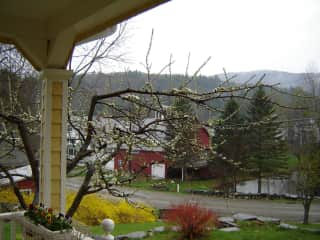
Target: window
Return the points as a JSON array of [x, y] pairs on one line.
[[71, 151], [120, 163]]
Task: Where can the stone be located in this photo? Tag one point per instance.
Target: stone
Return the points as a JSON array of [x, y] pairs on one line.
[[175, 229], [226, 222], [288, 226], [290, 196], [230, 229], [150, 233], [101, 238], [120, 237], [244, 217], [268, 220], [159, 229], [226, 219]]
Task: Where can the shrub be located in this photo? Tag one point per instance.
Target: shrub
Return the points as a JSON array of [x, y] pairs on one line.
[[193, 220], [7, 196], [93, 209]]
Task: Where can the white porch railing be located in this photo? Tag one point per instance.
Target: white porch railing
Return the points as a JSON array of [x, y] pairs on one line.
[[12, 219], [30, 231]]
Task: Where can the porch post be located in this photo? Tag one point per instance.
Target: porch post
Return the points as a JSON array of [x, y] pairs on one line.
[[53, 137]]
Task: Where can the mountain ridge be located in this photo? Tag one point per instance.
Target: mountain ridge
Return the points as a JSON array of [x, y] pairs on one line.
[[283, 78]]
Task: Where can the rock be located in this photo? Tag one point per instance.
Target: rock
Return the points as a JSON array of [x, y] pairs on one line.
[[230, 229], [244, 217], [290, 196], [150, 233], [226, 222], [287, 226], [133, 235], [268, 220], [159, 229], [226, 219], [120, 237], [102, 238], [175, 229]]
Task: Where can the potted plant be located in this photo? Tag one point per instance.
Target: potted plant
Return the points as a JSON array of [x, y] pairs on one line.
[[41, 223]]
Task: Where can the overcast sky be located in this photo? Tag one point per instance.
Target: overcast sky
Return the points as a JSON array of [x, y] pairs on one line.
[[239, 35]]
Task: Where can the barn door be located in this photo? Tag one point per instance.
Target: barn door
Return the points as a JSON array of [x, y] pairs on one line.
[[158, 170]]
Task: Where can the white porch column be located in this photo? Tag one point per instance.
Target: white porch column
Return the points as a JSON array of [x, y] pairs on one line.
[[53, 137]]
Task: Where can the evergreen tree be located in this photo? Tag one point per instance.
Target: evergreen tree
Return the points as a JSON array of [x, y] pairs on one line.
[[229, 139], [267, 149], [183, 149]]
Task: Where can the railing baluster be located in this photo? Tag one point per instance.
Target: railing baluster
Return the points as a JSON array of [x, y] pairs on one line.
[[13, 219], [1, 230], [13, 230]]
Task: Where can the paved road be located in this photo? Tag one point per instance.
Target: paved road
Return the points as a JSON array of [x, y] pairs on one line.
[[282, 210]]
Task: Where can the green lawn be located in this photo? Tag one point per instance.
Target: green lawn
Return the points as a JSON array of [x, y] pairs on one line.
[[172, 184], [123, 228], [311, 225], [97, 230], [248, 232]]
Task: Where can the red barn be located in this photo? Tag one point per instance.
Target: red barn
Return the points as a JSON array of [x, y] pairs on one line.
[[204, 137], [21, 182], [149, 163], [152, 162]]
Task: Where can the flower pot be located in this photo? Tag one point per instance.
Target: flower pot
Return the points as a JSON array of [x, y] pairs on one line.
[[32, 231]]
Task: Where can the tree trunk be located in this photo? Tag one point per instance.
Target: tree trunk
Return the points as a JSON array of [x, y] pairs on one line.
[[259, 183], [306, 206], [34, 163], [234, 184], [182, 174], [82, 191], [185, 174], [15, 188]]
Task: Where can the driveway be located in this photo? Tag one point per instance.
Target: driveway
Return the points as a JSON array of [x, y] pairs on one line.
[[278, 209]]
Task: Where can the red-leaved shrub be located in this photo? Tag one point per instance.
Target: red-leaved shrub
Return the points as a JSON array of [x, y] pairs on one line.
[[193, 220]]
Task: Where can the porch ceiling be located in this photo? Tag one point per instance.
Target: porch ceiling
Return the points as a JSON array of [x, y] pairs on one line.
[[46, 30]]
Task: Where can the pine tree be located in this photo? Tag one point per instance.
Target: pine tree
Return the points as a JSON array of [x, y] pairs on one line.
[[229, 138], [183, 149], [267, 149]]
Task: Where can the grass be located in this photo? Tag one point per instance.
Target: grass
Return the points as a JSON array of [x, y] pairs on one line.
[[249, 231], [78, 171], [172, 184], [146, 184], [7, 231], [124, 228], [121, 228], [311, 225]]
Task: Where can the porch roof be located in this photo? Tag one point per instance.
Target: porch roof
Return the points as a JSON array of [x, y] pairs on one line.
[[46, 30]]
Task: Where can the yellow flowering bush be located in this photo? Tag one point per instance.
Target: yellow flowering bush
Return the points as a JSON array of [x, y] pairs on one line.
[[93, 208], [7, 196]]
